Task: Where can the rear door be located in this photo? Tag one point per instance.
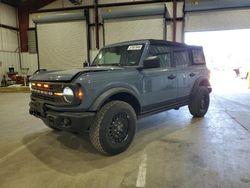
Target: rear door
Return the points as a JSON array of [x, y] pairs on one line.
[[159, 84], [185, 75]]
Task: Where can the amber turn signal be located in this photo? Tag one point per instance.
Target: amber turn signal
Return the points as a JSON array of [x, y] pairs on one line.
[[45, 85], [58, 94]]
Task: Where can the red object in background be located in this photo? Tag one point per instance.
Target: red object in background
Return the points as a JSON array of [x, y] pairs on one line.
[[19, 80], [12, 75]]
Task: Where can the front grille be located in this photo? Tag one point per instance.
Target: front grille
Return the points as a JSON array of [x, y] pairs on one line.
[[43, 97], [52, 93], [38, 91]]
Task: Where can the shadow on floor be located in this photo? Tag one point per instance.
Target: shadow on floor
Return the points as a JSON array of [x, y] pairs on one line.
[[73, 154]]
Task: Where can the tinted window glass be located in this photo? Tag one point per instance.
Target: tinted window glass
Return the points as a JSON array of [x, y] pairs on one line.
[[181, 58], [159, 49], [198, 57], [127, 55], [165, 60], [163, 52]]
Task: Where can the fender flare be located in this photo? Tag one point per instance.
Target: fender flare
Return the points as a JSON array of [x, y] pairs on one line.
[[197, 85], [99, 101]]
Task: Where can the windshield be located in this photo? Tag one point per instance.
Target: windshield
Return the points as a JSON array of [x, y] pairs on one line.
[[126, 55]]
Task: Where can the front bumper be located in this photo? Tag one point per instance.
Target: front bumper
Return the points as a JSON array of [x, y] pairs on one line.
[[69, 121]]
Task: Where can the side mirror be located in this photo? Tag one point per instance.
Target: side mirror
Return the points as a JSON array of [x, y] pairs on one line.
[[85, 64], [151, 62]]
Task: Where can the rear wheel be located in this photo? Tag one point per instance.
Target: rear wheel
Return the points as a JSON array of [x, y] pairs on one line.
[[200, 102], [114, 128]]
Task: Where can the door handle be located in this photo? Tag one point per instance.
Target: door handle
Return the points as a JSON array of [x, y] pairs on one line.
[[171, 77], [192, 74]]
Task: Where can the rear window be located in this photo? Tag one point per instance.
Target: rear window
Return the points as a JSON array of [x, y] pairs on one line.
[[198, 57]]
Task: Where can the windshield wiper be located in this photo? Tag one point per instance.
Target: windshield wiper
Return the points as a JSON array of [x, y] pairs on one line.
[[111, 64]]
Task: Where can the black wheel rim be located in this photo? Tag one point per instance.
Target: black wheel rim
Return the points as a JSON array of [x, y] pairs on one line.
[[204, 102], [118, 128]]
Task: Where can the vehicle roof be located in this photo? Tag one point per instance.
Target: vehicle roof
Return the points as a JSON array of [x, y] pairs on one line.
[[155, 41]]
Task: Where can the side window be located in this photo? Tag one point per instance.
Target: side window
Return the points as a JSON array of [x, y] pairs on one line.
[[163, 52], [165, 59], [198, 57], [181, 58]]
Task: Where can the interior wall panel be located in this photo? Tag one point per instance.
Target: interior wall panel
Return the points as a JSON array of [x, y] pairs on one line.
[[29, 61], [217, 20], [170, 31], [9, 40], [9, 55], [179, 32], [8, 15], [179, 12]]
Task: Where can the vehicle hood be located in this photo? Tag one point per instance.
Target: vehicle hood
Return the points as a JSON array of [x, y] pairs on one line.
[[68, 75]]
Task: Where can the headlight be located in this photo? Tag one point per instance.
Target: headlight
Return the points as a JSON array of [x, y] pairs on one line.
[[68, 94]]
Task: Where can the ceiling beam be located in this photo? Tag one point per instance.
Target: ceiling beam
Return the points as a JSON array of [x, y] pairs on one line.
[[34, 5]]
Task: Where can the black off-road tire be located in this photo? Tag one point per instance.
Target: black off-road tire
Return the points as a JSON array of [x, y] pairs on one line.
[[103, 126], [200, 102]]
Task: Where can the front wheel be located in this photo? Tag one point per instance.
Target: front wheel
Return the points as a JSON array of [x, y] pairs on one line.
[[114, 128], [200, 102]]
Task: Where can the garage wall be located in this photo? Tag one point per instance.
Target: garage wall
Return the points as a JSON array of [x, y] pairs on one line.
[[9, 51], [93, 50], [8, 15], [29, 61], [179, 24], [217, 20], [124, 28], [179, 32]]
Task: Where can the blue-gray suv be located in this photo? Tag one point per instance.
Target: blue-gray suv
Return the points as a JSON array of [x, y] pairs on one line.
[[126, 81]]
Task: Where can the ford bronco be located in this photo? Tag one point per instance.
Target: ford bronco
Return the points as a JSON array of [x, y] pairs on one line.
[[125, 81]]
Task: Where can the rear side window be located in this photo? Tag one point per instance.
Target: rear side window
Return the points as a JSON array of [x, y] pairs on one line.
[[163, 52], [181, 58], [198, 57]]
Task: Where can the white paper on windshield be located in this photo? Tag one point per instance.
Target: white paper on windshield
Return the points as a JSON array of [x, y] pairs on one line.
[[135, 47]]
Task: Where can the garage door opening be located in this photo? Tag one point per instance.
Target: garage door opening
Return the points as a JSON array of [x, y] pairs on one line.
[[227, 55]]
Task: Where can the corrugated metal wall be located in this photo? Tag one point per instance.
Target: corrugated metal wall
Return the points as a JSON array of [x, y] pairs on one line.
[[8, 15], [29, 61], [9, 54]]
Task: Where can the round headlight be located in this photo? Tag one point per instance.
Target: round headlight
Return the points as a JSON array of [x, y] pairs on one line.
[[68, 94]]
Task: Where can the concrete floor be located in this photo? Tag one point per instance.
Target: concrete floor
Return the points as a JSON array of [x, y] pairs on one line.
[[170, 150]]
